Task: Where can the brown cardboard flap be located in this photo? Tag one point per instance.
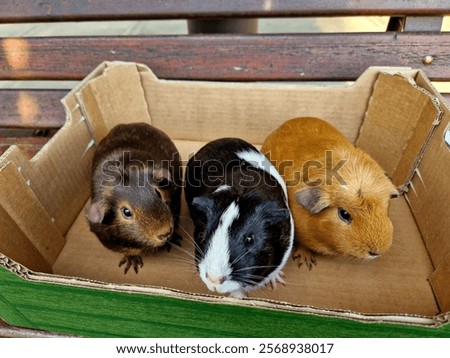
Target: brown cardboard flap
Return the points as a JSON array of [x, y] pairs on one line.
[[116, 95], [440, 281], [60, 179], [424, 162], [15, 245], [59, 173], [399, 120], [429, 194], [90, 109], [19, 201]]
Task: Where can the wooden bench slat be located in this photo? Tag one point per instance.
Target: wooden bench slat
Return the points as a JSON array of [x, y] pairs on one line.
[[31, 145], [228, 57], [32, 109], [78, 10]]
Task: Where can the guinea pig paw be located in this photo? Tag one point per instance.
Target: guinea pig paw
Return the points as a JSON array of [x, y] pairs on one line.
[[304, 256], [273, 281], [280, 278], [131, 260], [271, 284]]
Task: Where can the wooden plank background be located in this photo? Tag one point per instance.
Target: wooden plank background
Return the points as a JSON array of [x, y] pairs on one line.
[[55, 10], [299, 57]]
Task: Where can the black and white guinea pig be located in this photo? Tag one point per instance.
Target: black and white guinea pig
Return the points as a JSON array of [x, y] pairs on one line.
[[243, 226]]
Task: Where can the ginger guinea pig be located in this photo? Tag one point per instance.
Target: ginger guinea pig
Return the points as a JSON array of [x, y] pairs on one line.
[[135, 191], [338, 195]]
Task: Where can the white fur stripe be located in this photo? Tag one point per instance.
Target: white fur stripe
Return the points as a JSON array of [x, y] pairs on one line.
[[217, 258], [222, 188], [259, 160]]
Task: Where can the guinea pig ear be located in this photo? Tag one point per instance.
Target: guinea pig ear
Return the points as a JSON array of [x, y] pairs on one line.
[[95, 213], [162, 177], [312, 199], [203, 203], [275, 214]]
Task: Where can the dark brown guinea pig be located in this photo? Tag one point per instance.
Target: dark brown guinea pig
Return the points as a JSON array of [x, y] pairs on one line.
[[135, 191], [338, 195]]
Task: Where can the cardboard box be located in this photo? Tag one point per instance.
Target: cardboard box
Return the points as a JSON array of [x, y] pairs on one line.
[[56, 275]]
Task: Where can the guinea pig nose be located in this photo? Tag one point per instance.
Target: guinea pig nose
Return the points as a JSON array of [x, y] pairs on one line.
[[165, 236], [216, 280]]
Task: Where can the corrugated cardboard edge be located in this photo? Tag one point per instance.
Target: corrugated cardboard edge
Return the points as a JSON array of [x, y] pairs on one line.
[[18, 332], [439, 282], [84, 99], [436, 238], [404, 319], [411, 79], [43, 235], [71, 101], [437, 120]]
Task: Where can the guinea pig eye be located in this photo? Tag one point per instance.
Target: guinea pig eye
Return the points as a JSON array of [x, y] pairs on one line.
[[127, 214], [248, 240], [344, 215]]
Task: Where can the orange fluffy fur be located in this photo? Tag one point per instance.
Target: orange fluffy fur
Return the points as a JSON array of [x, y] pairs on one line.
[[305, 151]]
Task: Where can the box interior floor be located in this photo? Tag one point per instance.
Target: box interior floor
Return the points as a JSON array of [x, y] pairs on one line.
[[192, 114], [347, 284]]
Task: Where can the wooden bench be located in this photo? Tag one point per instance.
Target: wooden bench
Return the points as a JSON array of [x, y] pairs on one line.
[[29, 116], [413, 38]]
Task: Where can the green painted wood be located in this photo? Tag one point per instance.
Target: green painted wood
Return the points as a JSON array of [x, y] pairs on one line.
[[101, 313]]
